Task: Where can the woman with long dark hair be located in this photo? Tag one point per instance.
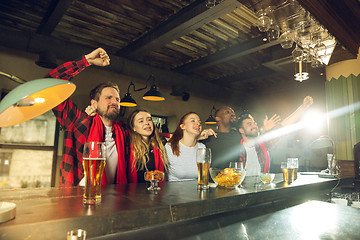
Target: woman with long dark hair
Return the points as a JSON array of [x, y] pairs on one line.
[[147, 152], [182, 146]]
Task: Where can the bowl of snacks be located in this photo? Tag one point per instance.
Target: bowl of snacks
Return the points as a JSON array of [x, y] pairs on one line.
[[154, 177], [228, 177], [267, 177]]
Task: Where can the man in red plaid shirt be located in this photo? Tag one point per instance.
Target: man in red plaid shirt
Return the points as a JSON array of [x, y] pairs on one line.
[[254, 150], [103, 127]]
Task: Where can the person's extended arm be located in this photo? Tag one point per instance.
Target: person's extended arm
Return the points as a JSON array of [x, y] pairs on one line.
[[269, 124], [66, 112], [295, 116], [70, 69]]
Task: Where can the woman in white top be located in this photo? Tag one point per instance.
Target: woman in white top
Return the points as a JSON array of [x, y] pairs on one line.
[[182, 146]]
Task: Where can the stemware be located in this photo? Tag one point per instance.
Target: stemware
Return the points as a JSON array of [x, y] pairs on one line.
[[287, 39], [316, 62], [307, 54], [320, 49], [273, 32], [154, 177], [297, 54], [78, 234], [211, 3], [264, 21]]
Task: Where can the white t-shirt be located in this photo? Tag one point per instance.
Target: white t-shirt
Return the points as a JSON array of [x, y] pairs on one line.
[[111, 156], [183, 167], [252, 166]]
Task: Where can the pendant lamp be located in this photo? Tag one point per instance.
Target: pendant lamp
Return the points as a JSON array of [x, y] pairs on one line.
[[152, 95], [211, 120], [32, 99]]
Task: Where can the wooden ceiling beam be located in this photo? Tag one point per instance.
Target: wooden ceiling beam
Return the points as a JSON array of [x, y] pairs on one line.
[[190, 18], [277, 65], [340, 18], [52, 18], [236, 51], [35, 43], [245, 76]]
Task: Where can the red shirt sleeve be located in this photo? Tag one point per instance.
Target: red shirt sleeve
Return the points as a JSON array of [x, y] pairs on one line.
[[66, 112]]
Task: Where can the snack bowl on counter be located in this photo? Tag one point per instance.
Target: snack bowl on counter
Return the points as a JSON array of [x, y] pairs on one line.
[[267, 177], [228, 177]]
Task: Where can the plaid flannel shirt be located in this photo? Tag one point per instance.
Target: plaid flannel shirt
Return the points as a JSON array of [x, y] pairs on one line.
[[262, 151], [76, 125]]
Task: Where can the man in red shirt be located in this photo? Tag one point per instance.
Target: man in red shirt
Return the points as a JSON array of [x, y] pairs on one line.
[[254, 150], [103, 127]]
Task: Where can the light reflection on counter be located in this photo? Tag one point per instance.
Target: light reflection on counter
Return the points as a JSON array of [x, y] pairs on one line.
[[313, 222]]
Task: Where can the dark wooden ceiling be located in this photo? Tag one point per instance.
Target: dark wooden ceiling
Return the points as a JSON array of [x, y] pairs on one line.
[[182, 42]]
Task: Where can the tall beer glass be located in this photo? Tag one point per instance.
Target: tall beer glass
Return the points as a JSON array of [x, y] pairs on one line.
[[285, 170], [203, 160], [294, 163], [94, 160]]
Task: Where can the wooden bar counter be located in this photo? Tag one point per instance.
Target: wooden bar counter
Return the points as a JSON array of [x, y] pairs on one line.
[[48, 213]]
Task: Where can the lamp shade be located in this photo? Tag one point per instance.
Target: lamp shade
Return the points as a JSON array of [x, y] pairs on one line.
[[211, 120], [153, 94], [128, 101], [32, 99], [322, 142]]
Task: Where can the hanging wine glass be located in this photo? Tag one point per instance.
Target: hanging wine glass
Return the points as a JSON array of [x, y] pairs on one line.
[[315, 63], [315, 37], [302, 28], [286, 39], [324, 34], [211, 3], [297, 54], [273, 32], [264, 21], [305, 40], [303, 33], [307, 54], [320, 49]]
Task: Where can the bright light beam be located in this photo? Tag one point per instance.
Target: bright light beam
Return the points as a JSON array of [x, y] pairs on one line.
[[314, 120], [303, 124]]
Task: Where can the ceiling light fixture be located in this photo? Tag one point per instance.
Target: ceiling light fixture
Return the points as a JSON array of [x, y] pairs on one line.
[[300, 75], [32, 99], [211, 120], [152, 95]]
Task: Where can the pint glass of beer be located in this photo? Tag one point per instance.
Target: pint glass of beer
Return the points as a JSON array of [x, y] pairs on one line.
[[203, 160], [285, 170], [293, 163], [94, 160]]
